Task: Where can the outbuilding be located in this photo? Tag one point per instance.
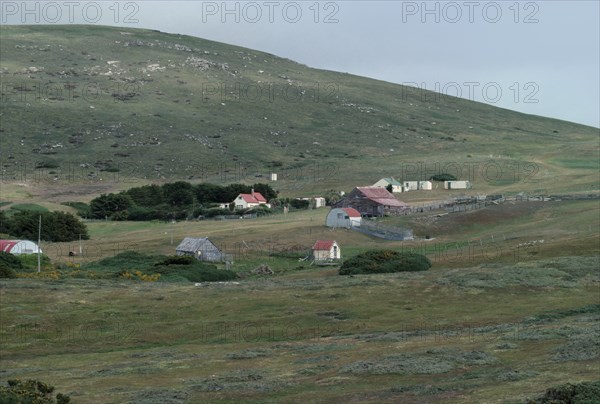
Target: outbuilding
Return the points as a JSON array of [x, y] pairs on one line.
[[326, 250], [457, 185], [18, 247], [373, 201], [343, 217], [386, 182], [201, 248]]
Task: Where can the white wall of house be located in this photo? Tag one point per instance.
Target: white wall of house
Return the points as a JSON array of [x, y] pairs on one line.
[[319, 202], [457, 184], [240, 203], [333, 253], [425, 185], [411, 185]]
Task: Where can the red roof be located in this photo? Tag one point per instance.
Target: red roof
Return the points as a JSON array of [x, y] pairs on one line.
[[323, 245], [381, 196], [257, 198], [7, 245], [351, 212]]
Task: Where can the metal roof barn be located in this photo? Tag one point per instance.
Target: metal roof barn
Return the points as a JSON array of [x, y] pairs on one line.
[[18, 247]]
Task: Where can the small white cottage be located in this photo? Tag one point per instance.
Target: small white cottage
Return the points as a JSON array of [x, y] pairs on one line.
[[426, 185], [385, 182], [251, 200], [457, 185], [326, 250]]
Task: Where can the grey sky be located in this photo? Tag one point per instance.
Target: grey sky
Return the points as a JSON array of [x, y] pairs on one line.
[[539, 57]]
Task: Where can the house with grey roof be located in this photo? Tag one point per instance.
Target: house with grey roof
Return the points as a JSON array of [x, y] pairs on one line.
[[201, 248]]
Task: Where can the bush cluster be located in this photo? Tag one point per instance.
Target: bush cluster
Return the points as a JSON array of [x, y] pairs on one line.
[[137, 266], [56, 226], [384, 261], [30, 391], [581, 393], [443, 177], [9, 264], [12, 266]]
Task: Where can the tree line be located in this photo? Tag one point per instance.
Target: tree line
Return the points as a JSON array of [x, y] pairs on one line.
[[56, 226], [177, 200]]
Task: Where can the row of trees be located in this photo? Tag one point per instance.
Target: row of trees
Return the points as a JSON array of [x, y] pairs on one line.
[[176, 200], [56, 226]]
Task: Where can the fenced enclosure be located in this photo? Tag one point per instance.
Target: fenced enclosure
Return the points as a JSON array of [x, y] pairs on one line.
[[372, 228]]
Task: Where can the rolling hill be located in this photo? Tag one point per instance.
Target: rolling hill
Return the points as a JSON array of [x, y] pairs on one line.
[[85, 102]]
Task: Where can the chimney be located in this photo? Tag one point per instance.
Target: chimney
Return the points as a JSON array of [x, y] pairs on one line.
[[252, 192]]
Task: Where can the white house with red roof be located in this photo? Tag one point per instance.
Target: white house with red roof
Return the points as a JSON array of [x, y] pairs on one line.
[[326, 250], [343, 217], [251, 200]]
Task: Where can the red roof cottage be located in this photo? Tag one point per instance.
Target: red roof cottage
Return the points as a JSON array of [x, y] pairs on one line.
[[245, 201], [326, 250]]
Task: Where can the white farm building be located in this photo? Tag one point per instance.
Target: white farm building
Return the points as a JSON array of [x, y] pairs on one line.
[[343, 217], [417, 185], [385, 182], [18, 247], [457, 185]]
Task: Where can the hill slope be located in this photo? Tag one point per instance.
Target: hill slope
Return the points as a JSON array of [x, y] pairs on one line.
[[145, 104]]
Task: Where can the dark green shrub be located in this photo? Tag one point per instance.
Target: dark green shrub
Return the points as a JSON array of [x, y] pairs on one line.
[[131, 258], [10, 261], [443, 177], [7, 272], [177, 260], [199, 272], [299, 203], [384, 261], [581, 393], [112, 206], [140, 213], [171, 269], [217, 212], [30, 392]]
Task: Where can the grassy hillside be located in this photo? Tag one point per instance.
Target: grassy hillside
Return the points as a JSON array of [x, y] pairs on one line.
[[82, 103]]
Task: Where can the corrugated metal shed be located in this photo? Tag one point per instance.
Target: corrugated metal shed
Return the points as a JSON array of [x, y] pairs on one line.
[[201, 248]]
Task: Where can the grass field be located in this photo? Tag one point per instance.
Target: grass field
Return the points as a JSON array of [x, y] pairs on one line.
[[482, 334], [488, 323]]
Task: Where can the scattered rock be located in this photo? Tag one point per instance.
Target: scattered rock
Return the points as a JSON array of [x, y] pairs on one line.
[[263, 269]]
